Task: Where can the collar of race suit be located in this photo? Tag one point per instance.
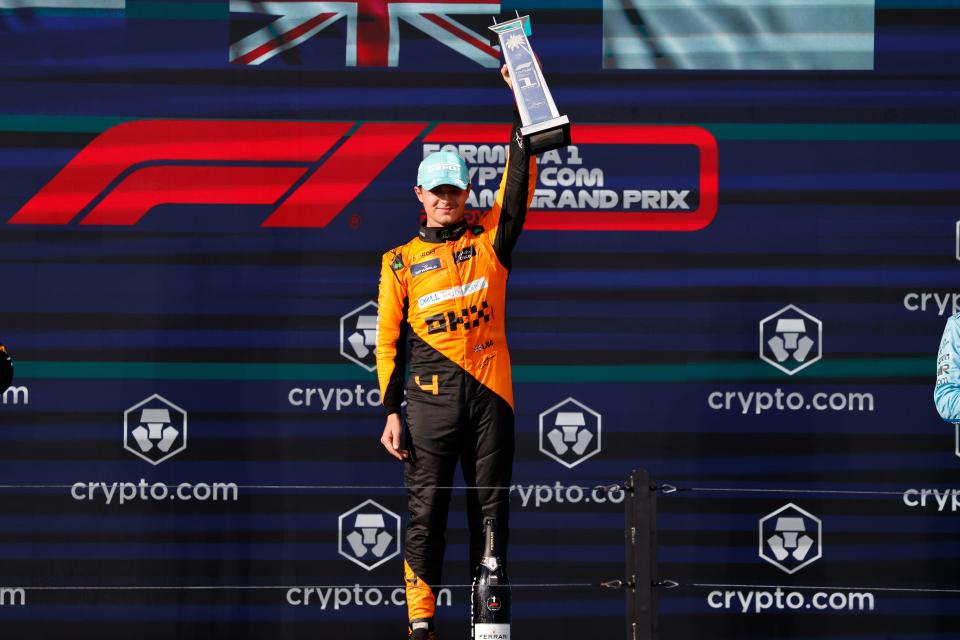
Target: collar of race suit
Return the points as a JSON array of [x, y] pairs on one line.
[[443, 234]]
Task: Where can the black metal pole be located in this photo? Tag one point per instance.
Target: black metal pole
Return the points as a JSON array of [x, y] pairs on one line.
[[640, 533]]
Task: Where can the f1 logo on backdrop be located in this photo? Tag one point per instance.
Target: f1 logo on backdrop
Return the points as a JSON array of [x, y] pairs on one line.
[[791, 339], [791, 538], [369, 535], [155, 429], [358, 335], [570, 432], [309, 171]]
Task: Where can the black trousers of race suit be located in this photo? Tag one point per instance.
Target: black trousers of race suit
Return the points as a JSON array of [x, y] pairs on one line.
[[468, 422]]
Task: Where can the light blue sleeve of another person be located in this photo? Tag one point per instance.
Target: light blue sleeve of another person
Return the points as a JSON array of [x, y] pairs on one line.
[[947, 392]]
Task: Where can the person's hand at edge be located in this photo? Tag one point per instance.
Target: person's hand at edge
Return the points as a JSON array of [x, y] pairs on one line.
[[391, 437]]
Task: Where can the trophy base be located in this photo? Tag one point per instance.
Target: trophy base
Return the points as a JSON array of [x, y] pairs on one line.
[[547, 135]]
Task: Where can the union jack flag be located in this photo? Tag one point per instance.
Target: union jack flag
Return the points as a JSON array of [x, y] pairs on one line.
[[373, 30]]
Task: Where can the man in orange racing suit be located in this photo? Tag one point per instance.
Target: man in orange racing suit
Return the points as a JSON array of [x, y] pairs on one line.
[[442, 305]]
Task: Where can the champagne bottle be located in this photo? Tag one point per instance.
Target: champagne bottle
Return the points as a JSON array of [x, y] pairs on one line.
[[490, 605]]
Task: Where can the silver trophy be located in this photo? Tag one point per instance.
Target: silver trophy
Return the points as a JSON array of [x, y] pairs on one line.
[[543, 126]]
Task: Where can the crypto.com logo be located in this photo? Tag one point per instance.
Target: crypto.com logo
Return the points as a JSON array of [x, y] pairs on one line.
[[155, 429], [136, 166], [358, 335], [791, 339], [369, 535], [570, 432], [791, 538]]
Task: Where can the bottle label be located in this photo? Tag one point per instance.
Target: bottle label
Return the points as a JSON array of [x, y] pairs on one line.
[[491, 632], [494, 604]]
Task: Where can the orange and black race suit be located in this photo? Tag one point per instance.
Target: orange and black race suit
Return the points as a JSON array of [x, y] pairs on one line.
[[442, 306]]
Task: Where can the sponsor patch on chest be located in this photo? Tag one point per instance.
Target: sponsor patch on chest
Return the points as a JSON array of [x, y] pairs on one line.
[[467, 318], [464, 254], [428, 252], [453, 292], [424, 267]]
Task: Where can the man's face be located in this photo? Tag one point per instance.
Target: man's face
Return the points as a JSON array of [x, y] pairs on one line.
[[443, 204]]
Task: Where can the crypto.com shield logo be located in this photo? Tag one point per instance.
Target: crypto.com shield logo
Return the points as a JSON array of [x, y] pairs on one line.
[[570, 432], [791, 339], [358, 335], [369, 535], [791, 538], [136, 166], [155, 429]]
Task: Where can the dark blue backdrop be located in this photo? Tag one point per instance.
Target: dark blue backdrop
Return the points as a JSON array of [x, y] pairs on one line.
[[838, 195]]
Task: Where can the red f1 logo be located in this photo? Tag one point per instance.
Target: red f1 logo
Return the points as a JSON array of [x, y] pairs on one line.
[[310, 171], [136, 166]]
